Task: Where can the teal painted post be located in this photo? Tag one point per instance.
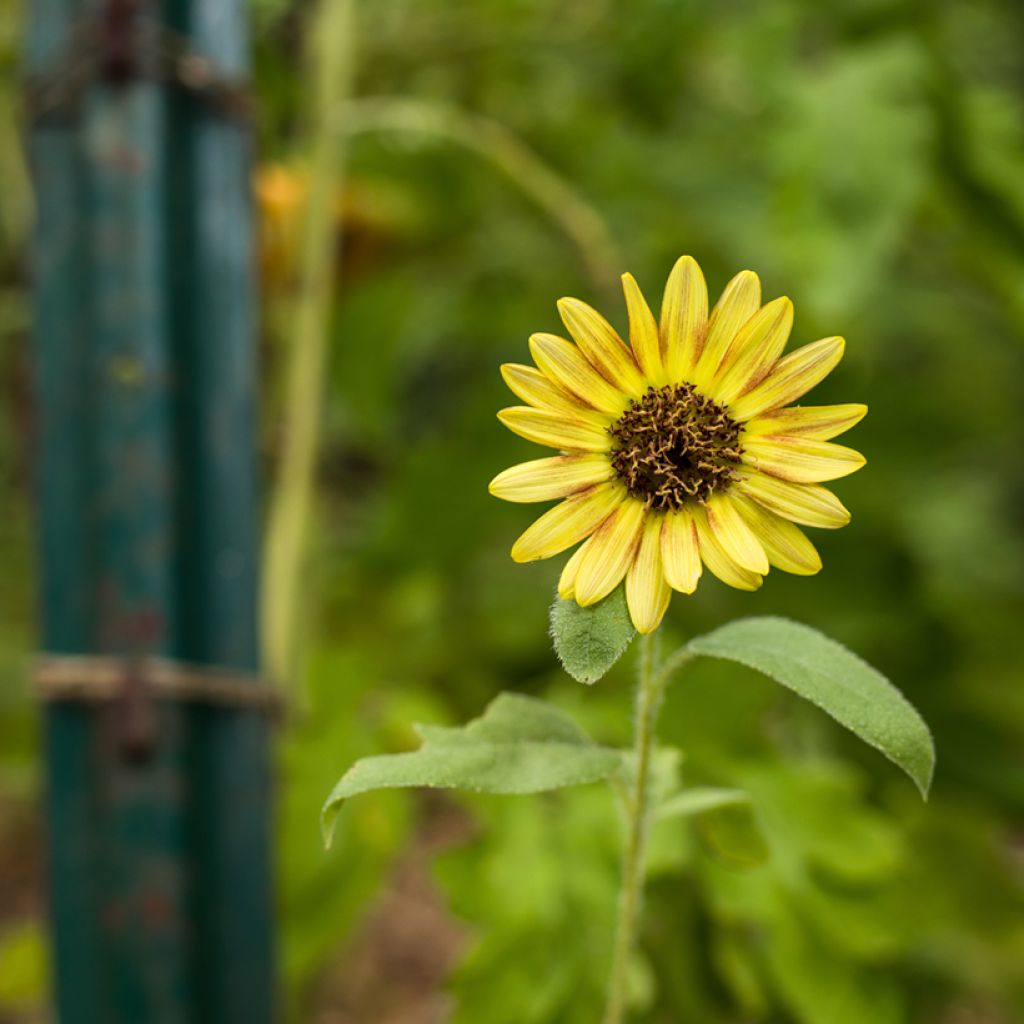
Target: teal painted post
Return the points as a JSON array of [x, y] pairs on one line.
[[214, 328], [157, 815], [66, 584], [117, 823]]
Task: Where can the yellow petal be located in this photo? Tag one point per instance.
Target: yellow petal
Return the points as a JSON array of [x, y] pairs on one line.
[[821, 422], [643, 332], [753, 351], [738, 303], [546, 479], [786, 545], [793, 376], [647, 592], [684, 316], [566, 366], [733, 534], [610, 552], [529, 384], [568, 522], [716, 559], [602, 346], [802, 460], [584, 432], [680, 552], [567, 581], [807, 504]]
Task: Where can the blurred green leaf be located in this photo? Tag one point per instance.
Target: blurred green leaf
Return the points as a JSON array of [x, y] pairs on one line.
[[538, 883], [827, 674], [519, 745], [698, 800], [589, 641], [732, 834], [23, 968], [320, 898], [818, 988]]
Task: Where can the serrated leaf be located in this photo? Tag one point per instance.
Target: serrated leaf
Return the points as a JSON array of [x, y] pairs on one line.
[[827, 674], [519, 745], [588, 641], [699, 800]]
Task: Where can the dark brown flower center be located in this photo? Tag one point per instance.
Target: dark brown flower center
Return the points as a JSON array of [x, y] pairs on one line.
[[674, 445]]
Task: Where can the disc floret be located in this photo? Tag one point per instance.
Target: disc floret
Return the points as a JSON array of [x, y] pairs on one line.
[[675, 445]]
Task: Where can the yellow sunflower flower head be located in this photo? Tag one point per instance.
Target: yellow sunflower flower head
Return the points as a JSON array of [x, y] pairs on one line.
[[677, 451]]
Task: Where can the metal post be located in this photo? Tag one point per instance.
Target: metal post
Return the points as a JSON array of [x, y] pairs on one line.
[[157, 814], [213, 297]]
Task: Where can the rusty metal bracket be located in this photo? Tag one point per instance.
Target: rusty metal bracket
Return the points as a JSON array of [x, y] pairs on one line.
[[118, 43]]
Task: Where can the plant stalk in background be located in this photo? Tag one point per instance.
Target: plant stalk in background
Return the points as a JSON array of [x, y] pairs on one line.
[[330, 44]]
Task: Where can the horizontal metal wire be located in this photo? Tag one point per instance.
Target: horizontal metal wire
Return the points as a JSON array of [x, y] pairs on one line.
[[101, 678]]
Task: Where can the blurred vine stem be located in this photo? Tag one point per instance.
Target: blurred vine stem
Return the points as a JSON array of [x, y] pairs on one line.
[[579, 221], [335, 118]]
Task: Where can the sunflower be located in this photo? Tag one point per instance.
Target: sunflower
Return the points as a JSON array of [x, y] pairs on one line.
[[677, 451]]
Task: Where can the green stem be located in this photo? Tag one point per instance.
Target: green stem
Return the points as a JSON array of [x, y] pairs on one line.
[[649, 693]]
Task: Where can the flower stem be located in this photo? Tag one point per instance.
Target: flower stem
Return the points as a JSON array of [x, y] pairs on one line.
[[650, 688]]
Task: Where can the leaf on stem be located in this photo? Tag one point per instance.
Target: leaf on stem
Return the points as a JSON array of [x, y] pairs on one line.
[[724, 822], [519, 745], [588, 641], [827, 674], [699, 800], [730, 832]]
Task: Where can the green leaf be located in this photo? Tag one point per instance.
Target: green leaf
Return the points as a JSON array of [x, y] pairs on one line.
[[724, 821], [827, 674], [732, 834], [588, 641], [519, 745], [699, 800]]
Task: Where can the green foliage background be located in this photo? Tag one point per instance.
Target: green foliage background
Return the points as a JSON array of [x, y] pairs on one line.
[[866, 158]]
